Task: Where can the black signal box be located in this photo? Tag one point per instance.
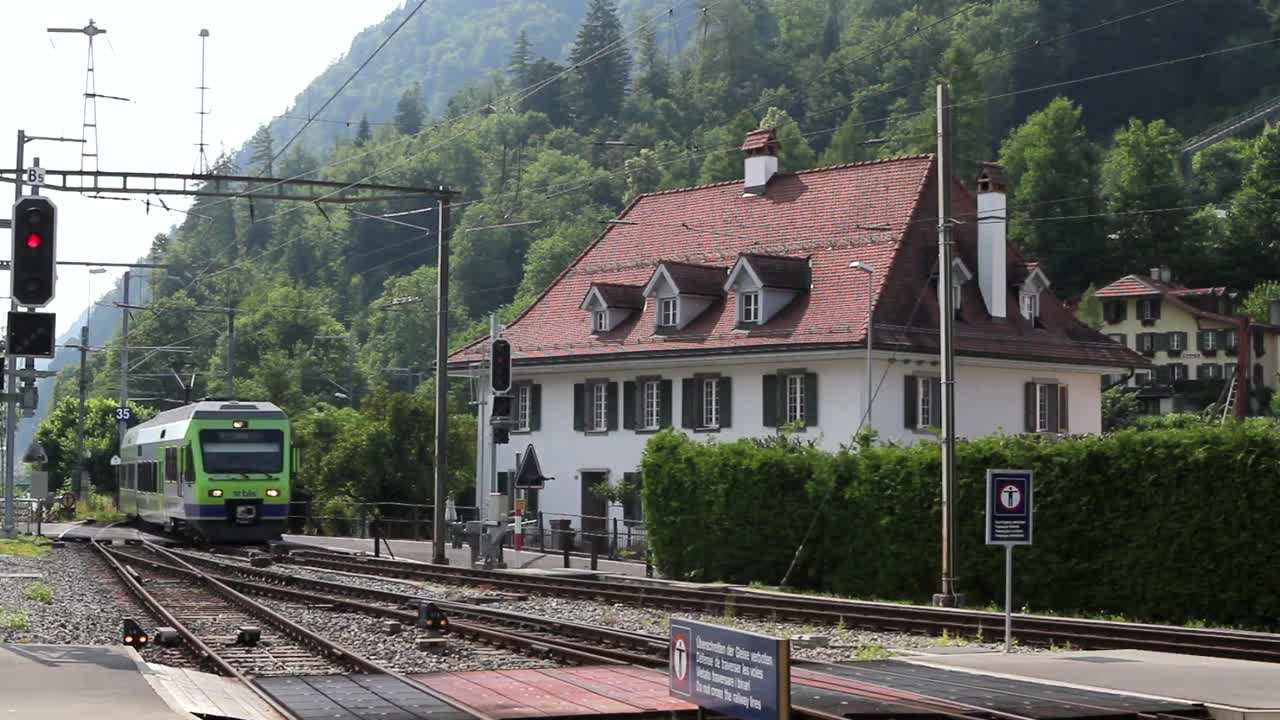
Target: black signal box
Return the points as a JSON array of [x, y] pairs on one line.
[[31, 334]]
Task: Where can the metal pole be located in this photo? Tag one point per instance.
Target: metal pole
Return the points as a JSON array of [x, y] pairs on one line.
[[231, 352], [481, 472], [442, 383], [948, 597], [493, 446], [78, 481], [870, 295], [122, 425], [1008, 597], [11, 382]]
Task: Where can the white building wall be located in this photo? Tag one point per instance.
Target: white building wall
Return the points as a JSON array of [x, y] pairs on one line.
[[989, 400]]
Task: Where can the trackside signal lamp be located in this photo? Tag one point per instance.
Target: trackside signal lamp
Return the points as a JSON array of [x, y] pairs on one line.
[[34, 269], [134, 635], [432, 619], [500, 366]]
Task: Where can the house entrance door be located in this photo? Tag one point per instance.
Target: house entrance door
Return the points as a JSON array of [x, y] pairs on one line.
[[594, 510]]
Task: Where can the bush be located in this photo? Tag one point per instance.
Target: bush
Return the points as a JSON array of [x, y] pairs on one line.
[[99, 508], [1164, 525], [38, 592]]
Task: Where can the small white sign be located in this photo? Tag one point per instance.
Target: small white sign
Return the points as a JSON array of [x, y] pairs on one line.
[[115, 460], [33, 176]]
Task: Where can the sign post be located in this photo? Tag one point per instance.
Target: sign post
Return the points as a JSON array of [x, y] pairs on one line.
[[1008, 524], [740, 674]]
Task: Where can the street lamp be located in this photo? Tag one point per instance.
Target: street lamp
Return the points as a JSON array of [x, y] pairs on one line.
[[92, 271], [870, 271]]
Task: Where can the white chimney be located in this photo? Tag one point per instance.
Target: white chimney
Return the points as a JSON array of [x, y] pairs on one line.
[[992, 263], [761, 164]]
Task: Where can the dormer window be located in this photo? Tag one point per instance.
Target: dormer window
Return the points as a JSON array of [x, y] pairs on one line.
[[610, 304], [600, 321], [749, 307], [668, 312], [1030, 304], [1029, 292]]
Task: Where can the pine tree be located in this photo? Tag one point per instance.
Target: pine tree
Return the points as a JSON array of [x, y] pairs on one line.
[[262, 151], [409, 112], [847, 143], [363, 131], [831, 32], [655, 74], [602, 63], [795, 154], [521, 56]]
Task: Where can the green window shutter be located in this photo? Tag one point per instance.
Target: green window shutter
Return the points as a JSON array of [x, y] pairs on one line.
[[503, 480], [1063, 406], [535, 407], [810, 399], [1123, 311], [935, 407], [629, 405], [1200, 341], [1161, 341], [688, 403], [664, 397], [1030, 406], [1053, 407], [579, 406], [726, 401], [1155, 308], [769, 414], [611, 404], [911, 403]]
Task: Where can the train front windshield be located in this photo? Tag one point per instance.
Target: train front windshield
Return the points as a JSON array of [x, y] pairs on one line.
[[242, 451]]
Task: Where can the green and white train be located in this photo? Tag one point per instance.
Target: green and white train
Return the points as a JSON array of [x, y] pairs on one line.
[[219, 470]]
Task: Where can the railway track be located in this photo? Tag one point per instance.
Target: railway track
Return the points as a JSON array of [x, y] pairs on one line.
[[1029, 629]]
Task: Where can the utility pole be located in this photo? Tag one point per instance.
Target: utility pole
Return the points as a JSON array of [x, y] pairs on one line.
[[948, 597], [78, 482], [442, 381], [122, 425], [492, 476], [11, 383], [231, 351]]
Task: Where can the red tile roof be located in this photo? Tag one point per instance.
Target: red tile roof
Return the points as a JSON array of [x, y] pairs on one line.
[[881, 213], [1135, 286]]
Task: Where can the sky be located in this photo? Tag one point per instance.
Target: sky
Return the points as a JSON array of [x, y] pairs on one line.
[[260, 55]]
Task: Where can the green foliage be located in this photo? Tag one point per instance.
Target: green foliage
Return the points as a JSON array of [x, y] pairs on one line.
[[24, 546], [1131, 553], [1257, 304], [57, 435], [602, 63], [409, 111], [1119, 408], [1089, 311], [38, 592], [1141, 180], [17, 619], [99, 507], [1255, 225]]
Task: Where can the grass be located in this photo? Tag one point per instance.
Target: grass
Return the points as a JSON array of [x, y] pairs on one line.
[[24, 546], [949, 640], [872, 651], [99, 508], [39, 592], [16, 620]]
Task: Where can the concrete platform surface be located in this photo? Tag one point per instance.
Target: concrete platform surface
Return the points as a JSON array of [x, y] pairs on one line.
[[113, 532], [1231, 689], [62, 682], [208, 695]]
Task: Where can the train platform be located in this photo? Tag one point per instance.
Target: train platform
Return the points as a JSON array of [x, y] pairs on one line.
[[618, 691], [70, 681], [112, 532], [1230, 689]]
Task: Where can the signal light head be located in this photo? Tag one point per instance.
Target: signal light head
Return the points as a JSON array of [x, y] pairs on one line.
[[34, 241]]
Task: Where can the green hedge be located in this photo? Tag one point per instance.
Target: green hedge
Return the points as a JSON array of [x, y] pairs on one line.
[[1176, 524]]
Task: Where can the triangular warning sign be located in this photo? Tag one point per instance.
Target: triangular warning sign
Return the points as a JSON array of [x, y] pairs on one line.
[[529, 474]]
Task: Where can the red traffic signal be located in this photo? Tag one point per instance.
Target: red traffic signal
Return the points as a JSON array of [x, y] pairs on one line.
[[500, 366], [34, 269]]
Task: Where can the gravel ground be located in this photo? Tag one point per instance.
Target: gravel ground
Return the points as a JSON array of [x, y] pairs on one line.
[[399, 652], [844, 643]]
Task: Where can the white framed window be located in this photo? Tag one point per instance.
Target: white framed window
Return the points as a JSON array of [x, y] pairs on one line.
[[711, 403], [1147, 309], [524, 398], [1030, 305], [1146, 342], [1176, 342], [749, 307], [955, 295], [600, 320], [925, 401], [1230, 340], [1179, 372], [652, 405], [668, 312], [1209, 339], [795, 399], [600, 406], [1042, 406]]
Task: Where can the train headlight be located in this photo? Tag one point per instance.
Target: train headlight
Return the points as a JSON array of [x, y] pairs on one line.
[[272, 492], [215, 493]]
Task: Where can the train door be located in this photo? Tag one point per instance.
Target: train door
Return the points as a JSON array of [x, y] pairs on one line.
[[172, 488]]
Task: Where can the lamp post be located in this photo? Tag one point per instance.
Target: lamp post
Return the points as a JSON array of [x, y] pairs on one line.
[[870, 272], [92, 271]]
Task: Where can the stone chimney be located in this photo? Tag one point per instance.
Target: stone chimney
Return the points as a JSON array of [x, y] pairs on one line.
[[1273, 314], [1162, 273], [761, 149], [992, 222]]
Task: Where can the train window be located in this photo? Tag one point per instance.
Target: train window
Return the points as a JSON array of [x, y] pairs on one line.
[[189, 466], [171, 464], [242, 451]]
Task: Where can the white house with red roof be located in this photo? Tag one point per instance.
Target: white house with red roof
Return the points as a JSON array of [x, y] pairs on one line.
[[1193, 337], [730, 310]]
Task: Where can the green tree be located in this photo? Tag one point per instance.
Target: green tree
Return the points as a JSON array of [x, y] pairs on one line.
[[57, 435], [1257, 305], [1219, 169], [1252, 251], [1142, 183], [262, 151], [1053, 173], [795, 154], [1089, 311], [847, 145], [521, 57], [724, 162], [602, 63], [1119, 409], [831, 30], [655, 74], [409, 114], [363, 132]]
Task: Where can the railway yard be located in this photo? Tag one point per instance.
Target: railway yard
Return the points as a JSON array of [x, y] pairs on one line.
[[285, 624]]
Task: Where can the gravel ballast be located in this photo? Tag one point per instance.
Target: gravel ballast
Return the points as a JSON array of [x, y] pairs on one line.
[[81, 610]]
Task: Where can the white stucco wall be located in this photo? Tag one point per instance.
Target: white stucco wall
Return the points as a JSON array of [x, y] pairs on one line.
[[989, 400]]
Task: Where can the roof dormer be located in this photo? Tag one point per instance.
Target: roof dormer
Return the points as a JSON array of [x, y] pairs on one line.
[[610, 304], [765, 284], [681, 292], [1030, 282]]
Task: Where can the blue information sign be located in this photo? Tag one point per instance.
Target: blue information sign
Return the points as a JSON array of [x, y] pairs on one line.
[[1008, 507], [731, 672]]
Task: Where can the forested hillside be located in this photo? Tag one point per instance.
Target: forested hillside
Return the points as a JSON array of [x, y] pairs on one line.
[[650, 96]]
